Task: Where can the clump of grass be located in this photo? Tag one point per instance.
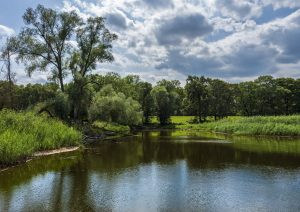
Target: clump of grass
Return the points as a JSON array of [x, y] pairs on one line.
[[112, 127], [175, 119], [22, 134], [259, 125]]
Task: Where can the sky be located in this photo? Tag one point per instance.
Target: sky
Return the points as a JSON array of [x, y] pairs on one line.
[[234, 40]]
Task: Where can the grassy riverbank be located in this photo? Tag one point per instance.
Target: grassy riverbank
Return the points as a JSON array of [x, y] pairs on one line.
[[22, 134], [259, 125]]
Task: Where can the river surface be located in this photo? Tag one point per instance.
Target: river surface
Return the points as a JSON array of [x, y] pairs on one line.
[[160, 171]]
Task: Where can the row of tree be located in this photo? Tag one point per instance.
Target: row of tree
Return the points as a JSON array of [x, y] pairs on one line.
[[128, 100]]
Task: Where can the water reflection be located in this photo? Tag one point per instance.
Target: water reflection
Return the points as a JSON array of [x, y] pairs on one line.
[[160, 171]]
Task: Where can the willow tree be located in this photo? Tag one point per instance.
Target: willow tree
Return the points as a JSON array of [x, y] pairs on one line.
[[44, 43], [94, 46]]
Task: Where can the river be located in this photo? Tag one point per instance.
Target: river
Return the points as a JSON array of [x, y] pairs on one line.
[[160, 171]]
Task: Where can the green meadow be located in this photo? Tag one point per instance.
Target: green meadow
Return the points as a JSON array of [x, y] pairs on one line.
[[257, 125]]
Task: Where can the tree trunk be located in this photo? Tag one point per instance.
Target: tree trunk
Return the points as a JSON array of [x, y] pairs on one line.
[[61, 82]]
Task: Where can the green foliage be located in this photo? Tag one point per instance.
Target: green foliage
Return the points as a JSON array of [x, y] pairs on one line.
[[221, 101], [146, 100], [80, 96], [43, 42], [110, 106], [61, 106], [165, 103], [94, 45], [22, 134], [197, 98]]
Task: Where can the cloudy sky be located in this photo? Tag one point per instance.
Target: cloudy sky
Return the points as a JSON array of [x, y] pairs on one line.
[[234, 40]]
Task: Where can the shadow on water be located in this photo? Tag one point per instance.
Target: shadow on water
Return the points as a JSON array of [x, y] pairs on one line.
[[156, 171]]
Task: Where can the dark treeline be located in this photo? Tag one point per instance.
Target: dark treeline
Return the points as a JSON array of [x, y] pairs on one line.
[[200, 97], [65, 45]]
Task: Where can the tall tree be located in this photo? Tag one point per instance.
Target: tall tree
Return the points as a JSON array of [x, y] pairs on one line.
[[44, 41], [94, 46], [174, 86], [165, 103], [146, 100], [221, 98], [246, 98], [94, 42], [197, 97], [7, 52]]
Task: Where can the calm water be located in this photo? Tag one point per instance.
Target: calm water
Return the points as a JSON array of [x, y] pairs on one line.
[[160, 171]]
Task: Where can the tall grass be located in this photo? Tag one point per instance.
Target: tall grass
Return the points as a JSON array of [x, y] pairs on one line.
[[113, 127], [22, 134], [175, 119], [259, 125]]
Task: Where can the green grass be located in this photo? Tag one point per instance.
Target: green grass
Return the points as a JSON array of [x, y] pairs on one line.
[[175, 119], [22, 134], [237, 125], [259, 125], [105, 126]]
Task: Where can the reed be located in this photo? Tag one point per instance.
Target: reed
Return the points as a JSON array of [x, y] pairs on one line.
[[22, 134]]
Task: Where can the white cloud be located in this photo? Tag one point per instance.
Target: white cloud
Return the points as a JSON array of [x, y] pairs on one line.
[[219, 38], [5, 31]]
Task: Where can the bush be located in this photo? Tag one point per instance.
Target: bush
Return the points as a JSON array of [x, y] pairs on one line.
[[110, 106]]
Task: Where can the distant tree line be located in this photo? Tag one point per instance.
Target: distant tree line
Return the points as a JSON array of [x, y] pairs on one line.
[[111, 97], [65, 45]]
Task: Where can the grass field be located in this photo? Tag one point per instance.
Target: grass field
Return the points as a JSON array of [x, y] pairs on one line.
[[175, 119], [22, 134], [259, 125]]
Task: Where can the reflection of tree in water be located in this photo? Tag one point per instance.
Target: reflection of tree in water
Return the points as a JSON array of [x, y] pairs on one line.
[[71, 186], [79, 182], [215, 155], [13, 179]]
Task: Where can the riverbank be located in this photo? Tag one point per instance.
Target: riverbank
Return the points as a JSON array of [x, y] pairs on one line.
[[23, 134]]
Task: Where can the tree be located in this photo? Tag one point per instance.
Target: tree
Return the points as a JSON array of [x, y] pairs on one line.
[[94, 46], [165, 103], [7, 52], [110, 106], [146, 100], [287, 93], [247, 100], [220, 98], [45, 41], [197, 101], [174, 86]]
